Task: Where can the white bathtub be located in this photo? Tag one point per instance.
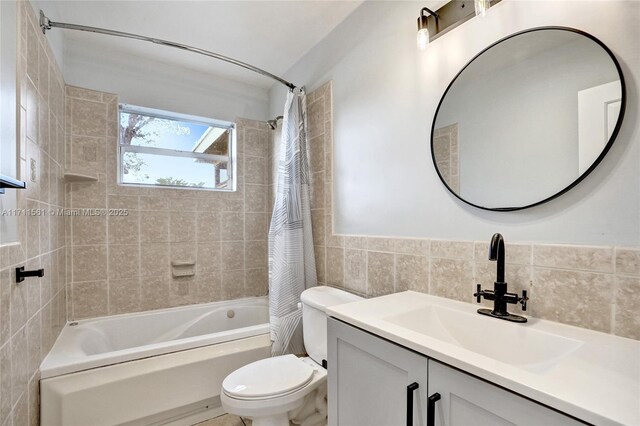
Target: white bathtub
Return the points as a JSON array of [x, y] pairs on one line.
[[153, 367]]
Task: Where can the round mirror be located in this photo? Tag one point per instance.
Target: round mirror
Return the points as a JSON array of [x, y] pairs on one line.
[[528, 118]]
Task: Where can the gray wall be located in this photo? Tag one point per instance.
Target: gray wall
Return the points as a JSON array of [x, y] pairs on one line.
[[385, 95]]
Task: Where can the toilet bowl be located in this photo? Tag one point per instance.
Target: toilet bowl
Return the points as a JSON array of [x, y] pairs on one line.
[[275, 391]]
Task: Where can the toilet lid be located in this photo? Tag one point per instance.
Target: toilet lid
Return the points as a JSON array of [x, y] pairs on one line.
[[268, 377]]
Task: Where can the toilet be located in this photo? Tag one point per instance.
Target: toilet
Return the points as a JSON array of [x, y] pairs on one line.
[[275, 390]]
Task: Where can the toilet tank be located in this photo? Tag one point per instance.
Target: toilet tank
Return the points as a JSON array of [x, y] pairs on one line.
[[315, 302]]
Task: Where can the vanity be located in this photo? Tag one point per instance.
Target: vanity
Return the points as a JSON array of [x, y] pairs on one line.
[[416, 359]]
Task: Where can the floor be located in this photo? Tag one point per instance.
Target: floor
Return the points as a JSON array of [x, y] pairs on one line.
[[225, 420]]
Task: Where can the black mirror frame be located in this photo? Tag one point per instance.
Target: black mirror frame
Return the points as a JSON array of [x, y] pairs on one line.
[[604, 152]]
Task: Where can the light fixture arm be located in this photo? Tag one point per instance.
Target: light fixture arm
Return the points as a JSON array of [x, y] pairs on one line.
[[430, 12], [423, 21]]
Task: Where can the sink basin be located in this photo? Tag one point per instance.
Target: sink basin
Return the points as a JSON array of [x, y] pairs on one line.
[[514, 344]]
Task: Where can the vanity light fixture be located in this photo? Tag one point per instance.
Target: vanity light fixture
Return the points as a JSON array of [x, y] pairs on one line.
[[433, 24], [423, 27], [481, 6]]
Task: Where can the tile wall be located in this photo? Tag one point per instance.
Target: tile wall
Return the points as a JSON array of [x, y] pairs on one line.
[[33, 312], [122, 264], [596, 287]]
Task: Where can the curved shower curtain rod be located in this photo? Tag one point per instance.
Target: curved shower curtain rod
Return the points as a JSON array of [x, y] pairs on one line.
[[47, 24]]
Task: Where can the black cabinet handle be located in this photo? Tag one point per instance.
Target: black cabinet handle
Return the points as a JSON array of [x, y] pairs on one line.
[[431, 409], [413, 386]]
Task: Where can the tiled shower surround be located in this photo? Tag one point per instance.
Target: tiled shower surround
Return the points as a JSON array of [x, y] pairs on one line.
[[596, 287], [33, 312], [122, 264]]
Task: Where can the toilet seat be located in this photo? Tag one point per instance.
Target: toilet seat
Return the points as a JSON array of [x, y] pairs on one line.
[[268, 378]]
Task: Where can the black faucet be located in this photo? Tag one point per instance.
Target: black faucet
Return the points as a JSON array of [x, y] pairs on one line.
[[499, 293]]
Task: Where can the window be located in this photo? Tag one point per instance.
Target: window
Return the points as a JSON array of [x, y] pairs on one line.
[[165, 149]]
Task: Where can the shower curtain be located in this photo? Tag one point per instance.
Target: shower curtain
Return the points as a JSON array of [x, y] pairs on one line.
[[292, 266]]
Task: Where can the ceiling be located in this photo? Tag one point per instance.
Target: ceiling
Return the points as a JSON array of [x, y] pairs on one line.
[[272, 35]]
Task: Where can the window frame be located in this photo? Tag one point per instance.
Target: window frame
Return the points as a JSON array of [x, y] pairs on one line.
[[174, 116]]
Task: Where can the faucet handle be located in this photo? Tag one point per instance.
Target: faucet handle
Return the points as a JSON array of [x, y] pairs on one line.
[[478, 293], [523, 300]]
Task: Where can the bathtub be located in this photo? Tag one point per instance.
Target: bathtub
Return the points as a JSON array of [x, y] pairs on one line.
[[157, 367]]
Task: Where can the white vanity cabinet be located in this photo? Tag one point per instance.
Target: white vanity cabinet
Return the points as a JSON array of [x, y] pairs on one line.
[[371, 381], [369, 384]]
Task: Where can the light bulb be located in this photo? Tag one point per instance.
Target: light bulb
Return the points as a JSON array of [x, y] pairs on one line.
[[423, 38], [481, 7]]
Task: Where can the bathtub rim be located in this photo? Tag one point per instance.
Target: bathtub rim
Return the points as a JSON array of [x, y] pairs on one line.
[[58, 364]]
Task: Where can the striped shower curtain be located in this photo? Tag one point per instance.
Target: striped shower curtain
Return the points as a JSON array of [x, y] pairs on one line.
[[292, 266]]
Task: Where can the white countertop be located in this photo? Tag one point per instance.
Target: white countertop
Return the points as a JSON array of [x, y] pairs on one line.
[[599, 382]]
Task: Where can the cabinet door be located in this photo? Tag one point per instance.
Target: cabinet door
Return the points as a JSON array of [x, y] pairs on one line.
[[466, 400], [369, 378]]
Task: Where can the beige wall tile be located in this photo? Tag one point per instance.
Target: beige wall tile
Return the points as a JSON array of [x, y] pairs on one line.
[[89, 230], [316, 155], [154, 260], [317, 226], [209, 259], [89, 299], [355, 270], [154, 227], [331, 239], [380, 273], [232, 226], [233, 255], [452, 278], [255, 170], [627, 307], [255, 226], [89, 263], [320, 254], [627, 261], [412, 273], [233, 284], [208, 288], [182, 226], [355, 242], [315, 114], [91, 195], [255, 198], [34, 400], [5, 382], [255, 254], [19, 363], [573, 297], [257, 282], [33, 344], [124, 261], [88, 118], [88, 154], [599, 259], [380, 244], [208, 226], [335, 266], [317, 191], [256, 142], [124, 296], [5, 312], [124, 229], [153, 203], [122, 202], [154, 292], [417, 247], [452, 249]]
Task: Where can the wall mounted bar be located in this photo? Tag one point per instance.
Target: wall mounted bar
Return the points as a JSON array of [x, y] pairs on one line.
[[451, 15], [47, 24], [10, 183]]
